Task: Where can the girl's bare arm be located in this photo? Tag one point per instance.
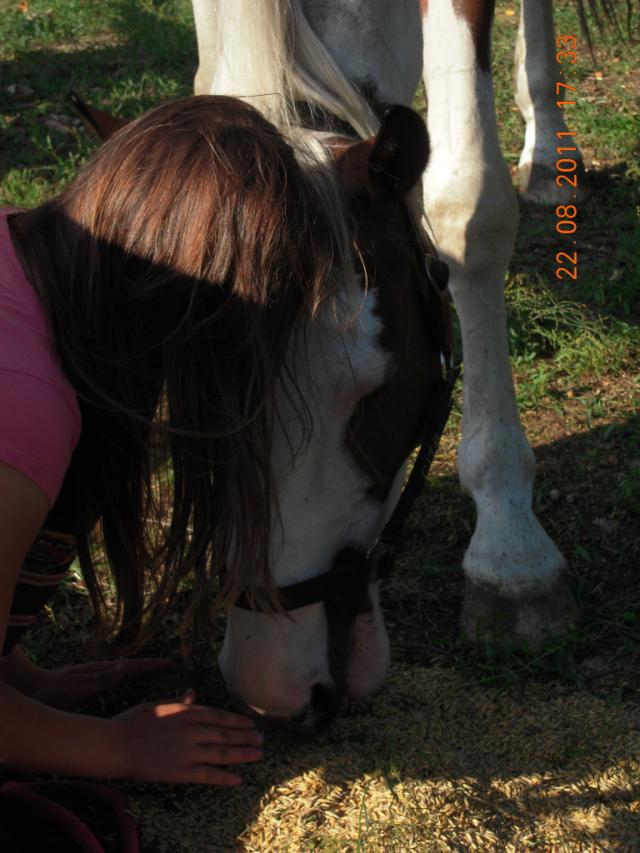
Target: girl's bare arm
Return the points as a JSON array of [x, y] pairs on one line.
[[172, 741]]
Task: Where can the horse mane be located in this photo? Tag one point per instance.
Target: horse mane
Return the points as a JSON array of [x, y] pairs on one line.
[[283, 61]]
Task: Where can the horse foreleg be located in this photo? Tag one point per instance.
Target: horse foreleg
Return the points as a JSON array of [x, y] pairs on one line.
[[515, 581], [204, 15], [537, 75]]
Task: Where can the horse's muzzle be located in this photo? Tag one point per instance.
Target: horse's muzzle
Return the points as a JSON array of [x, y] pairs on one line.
[[313, 718]]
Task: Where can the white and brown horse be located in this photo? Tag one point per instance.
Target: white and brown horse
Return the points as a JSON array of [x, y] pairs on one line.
[[380, 345], [335, 63], [370, 373]]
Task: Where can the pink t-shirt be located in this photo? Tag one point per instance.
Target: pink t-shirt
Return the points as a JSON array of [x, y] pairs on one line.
[[39, 415]]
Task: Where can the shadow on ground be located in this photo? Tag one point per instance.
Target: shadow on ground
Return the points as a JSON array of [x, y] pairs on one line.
[[462, 749], [607, 240]]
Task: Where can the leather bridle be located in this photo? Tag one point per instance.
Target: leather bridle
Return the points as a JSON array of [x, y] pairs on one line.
[[344, 588]]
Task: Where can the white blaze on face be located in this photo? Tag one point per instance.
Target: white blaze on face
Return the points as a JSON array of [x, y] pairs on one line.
[[271, 662]]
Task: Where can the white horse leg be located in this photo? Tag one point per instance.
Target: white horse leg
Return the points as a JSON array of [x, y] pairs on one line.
[[514, 573], [204, 14], [536, 74]]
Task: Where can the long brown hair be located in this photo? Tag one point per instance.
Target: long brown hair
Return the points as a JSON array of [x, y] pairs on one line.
[[173, 270]]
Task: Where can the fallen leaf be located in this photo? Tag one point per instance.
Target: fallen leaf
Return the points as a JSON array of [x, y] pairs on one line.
[[61, 123], [19, 90]]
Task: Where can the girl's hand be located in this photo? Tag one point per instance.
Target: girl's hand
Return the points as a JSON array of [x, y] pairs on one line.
[[178, 741], [72, 685]]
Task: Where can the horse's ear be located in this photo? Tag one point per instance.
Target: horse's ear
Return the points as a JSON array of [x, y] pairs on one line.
[[102, 123], [391, 162], [400, 152]]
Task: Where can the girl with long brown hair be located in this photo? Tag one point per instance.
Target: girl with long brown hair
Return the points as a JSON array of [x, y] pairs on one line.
[[145, 314]]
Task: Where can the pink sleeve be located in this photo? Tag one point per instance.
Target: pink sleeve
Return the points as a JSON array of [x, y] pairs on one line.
[[38, 430]]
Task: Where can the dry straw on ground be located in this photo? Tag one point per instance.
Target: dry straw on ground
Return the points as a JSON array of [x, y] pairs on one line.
[[431, 764]]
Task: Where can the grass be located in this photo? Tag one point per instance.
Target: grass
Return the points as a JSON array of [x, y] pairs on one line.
[[127, 56], [124, 56], [555, 340], [575, 352]]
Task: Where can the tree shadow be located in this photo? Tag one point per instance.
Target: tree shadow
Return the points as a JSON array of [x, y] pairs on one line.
[[430, 746], [586, 496], [434, 752]]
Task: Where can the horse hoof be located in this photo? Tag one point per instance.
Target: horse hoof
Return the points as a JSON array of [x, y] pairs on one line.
[[532, 616], [538, 184]]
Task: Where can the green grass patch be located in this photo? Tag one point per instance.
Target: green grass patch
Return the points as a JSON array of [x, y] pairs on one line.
[[122, 56], [555, 338]]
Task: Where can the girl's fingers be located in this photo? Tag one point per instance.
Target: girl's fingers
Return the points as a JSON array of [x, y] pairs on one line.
[[142, 667], [207, 716], [88, 668], [119, 671], [203, 714], [87, 679], [214, 754], [229, 737], [204, 774]]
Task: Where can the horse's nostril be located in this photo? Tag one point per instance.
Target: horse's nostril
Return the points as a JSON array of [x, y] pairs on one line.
[[321, 709], [301, 717], [324, 703]]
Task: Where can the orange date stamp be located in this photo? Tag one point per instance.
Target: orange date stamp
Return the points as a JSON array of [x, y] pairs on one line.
[[566, 166]]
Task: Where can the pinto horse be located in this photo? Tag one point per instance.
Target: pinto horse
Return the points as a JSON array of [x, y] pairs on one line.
[[323, 70], [330, 67]]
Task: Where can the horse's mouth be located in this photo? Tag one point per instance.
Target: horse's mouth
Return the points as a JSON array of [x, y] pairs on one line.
[[311, 720]]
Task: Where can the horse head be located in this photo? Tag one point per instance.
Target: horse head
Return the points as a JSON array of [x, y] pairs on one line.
[[372, 370], [361, 378]]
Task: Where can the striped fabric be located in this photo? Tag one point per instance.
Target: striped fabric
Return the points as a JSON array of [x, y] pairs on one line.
[[44, 568]]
